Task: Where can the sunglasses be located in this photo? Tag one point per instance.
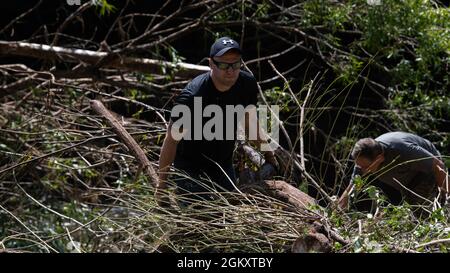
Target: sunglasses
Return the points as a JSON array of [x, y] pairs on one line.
[[225, 66]]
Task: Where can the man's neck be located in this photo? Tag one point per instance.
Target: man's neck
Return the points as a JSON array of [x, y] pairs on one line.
[[220, 87]]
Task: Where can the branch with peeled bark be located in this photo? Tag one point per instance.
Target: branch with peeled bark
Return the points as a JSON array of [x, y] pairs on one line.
[[129, 141], [102, 59]]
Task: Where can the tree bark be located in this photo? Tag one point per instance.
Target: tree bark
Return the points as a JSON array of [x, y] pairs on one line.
[[96, 58]]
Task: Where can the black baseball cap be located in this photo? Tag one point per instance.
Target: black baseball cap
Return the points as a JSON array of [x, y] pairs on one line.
[[222, 45]]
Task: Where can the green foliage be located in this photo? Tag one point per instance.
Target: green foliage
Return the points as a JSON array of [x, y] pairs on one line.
[[104, 7], [333, 15], [279, 96], [387, 25], [406, 42]]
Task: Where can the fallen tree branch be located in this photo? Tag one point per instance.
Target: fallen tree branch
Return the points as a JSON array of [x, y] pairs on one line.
[[113, 60], [129, 141], [440, 241], [25, 83]]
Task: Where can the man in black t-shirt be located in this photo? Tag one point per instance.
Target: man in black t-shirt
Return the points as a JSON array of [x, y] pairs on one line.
[[192, 151], [403, 161]]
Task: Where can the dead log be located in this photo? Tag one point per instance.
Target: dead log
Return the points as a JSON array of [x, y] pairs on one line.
[[282, 191], [129, 141], [289, 194], [319, 237], [311, 242], [106, 59]]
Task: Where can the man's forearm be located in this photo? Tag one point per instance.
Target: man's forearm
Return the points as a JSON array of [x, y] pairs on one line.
[[441, 175], [344, 199], [261, 135], [349, 188], [166, 158]]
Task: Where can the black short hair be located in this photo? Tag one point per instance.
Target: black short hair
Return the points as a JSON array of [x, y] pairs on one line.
[[368, 148]]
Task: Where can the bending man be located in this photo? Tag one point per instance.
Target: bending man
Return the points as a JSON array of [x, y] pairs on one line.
[[407, 162]]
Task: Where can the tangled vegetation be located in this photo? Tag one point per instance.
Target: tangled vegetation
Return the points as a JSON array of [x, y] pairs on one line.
[[68, 184]]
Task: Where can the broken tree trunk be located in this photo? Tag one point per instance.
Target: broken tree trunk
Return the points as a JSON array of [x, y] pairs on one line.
[[319, 237], [129, 141], [102, 59]]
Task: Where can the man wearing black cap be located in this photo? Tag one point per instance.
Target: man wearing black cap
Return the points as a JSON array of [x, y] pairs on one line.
[[224, 85]]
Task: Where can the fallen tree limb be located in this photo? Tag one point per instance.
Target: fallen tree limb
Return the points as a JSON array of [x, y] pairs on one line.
[[440, 241], [319, 236], [94, 58], [24, 83], [129, 141]]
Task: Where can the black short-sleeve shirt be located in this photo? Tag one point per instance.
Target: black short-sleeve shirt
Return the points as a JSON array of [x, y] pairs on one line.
[[199, 153]]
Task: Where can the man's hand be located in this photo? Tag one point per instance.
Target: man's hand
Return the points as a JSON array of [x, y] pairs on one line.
[[271, 159], [444, 197], [442, 179], [343, 201], [161, 195]]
